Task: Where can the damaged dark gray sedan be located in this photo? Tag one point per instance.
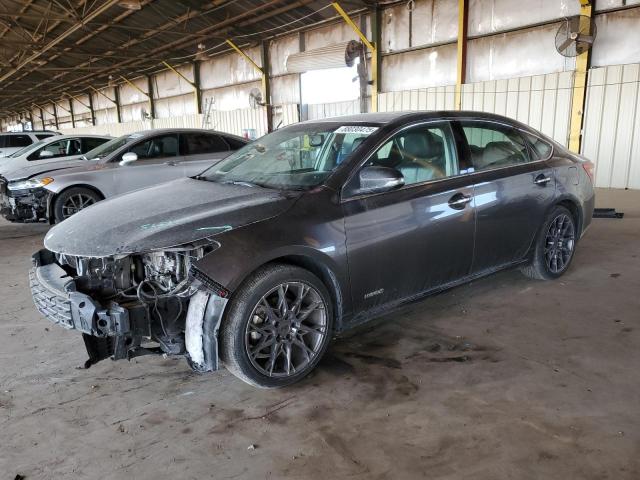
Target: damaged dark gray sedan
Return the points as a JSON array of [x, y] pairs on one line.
[[257, 262]]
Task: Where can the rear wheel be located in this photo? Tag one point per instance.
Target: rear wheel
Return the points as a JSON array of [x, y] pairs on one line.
[[72, 201], [554, 246], [277, 327]]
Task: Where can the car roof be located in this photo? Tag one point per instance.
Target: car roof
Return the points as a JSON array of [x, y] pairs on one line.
[[156, 131], [81, 135], [387, 118]]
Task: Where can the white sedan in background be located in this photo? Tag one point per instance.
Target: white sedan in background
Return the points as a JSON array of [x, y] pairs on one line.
[[60, 151]]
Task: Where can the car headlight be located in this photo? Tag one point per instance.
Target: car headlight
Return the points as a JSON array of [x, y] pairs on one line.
[[29, 184]]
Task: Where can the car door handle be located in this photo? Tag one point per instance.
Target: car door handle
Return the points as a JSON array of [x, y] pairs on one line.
[[542, 179], [171, 162], [459, 201]]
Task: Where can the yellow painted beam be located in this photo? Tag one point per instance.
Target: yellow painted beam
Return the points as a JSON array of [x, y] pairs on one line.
[[193, 85], [105, 96], [179, 74], [579, 87], [245, 56], [77, 100], [148, 95], [350, 22], [463, 9], [371, 47]]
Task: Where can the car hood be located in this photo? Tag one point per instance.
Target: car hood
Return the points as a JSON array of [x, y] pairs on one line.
[[166, 215], [31, 171]]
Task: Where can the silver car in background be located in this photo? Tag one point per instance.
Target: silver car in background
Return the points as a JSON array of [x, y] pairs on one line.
[[129, 163]]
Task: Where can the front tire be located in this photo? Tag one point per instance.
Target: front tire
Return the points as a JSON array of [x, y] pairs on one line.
[[277, 327], [73, 200], [554, 247]]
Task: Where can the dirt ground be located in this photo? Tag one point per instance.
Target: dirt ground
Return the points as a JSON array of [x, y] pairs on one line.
[[503, 378]]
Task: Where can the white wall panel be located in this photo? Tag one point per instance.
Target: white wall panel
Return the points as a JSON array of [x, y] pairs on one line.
[[611, 125], [229, 69], [435, 98], [542, 101], [395, 28], [330, 34], [423, 68], [279, 50], [169, 84], [231, 98], [491, 16], [285, 89], [618, 40], [177, 106], [336, 109], [515, 54], [609, 4], [434, 21], [130, 95]]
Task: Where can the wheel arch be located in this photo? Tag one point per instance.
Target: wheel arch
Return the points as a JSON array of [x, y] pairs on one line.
[[313, 261], [54, 196], [573, 205]]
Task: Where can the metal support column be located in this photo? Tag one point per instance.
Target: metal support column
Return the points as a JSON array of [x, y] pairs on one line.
[[463, 11], [264, 73], [580, 83], [194, 84], [266, 84], [116, 94], [152, 105], [73, 118], [92, 110], [55, 115]]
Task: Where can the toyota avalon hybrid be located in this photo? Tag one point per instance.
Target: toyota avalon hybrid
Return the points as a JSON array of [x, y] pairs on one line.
[[258, 261]]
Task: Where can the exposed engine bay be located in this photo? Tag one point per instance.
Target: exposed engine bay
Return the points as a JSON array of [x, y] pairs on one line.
[[125, 306]]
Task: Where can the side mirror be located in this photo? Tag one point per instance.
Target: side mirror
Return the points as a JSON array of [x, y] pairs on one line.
[[128, 158], [46, 154], [379, 179]]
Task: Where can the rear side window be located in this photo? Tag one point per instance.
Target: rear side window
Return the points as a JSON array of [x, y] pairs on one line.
[[199, 143], [17, 141], [157, 147], [541, 149], [494, 146], [89, 144]]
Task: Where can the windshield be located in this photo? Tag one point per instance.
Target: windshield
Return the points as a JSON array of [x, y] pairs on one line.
[[27, 149], [295, 158], [109, 147]]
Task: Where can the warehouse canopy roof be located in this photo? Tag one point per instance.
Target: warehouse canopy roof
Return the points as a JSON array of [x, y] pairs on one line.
[[49, 48]]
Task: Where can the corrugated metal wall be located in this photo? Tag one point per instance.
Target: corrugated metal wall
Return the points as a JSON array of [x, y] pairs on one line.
[[611, 134], [435, 98]]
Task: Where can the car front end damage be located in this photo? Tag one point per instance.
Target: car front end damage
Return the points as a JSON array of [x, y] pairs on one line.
[[22, 204], [132, 305]]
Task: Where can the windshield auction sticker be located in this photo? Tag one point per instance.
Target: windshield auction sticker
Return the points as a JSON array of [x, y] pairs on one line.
[[356, 129]]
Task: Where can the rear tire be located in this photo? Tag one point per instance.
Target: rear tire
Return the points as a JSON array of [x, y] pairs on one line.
[[554, 247], [277, 327], [73, 200]]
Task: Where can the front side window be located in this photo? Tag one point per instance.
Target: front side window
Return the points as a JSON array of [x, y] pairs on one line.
[[297, 157], [494, 146], [420, 153], [162, 146], [43, 136], [199, 143]]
